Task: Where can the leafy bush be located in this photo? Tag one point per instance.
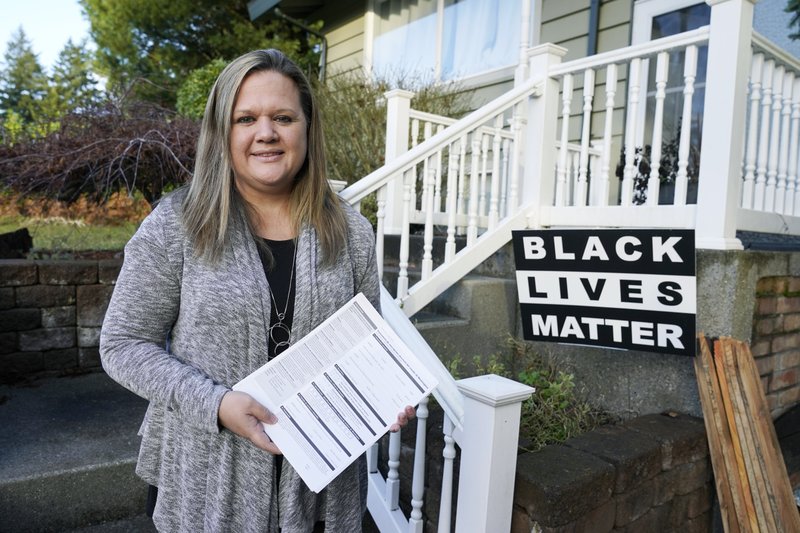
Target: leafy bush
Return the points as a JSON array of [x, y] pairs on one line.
[[117, 148], [193, 94], [354, 118], [555, 412], [145, 149]]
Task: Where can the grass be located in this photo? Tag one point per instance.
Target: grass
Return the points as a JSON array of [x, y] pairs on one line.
[[58, 236]]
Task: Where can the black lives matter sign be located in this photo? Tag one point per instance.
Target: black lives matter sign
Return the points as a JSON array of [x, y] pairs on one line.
[[630, 289]]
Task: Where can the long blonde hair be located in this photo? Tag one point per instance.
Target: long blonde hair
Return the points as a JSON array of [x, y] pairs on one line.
[[212, 198]]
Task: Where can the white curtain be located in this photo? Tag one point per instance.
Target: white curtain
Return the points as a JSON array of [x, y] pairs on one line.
[[405, 42], [479, 35]]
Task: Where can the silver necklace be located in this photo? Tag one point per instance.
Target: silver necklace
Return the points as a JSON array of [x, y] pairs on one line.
[[280, 326]]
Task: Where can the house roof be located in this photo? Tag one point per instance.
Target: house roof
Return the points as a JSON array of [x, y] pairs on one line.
[[300, 9]]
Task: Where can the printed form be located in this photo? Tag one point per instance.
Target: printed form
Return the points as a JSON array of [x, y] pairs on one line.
[[337, 391]]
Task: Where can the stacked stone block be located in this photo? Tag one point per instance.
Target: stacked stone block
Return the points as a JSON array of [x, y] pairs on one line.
[[776, 340], [652, 473], [50, 315]]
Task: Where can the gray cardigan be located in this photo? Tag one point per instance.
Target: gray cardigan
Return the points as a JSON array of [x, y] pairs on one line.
[[213, 321]]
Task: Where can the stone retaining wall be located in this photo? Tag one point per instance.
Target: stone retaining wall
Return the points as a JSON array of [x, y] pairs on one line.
[[50, 315], [652, 473]]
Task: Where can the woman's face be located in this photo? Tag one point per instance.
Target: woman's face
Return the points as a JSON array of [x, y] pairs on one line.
[[268, 136]]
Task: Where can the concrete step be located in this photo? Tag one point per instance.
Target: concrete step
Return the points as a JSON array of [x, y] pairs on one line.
[[472, 318], [67, 453], [500, 264]]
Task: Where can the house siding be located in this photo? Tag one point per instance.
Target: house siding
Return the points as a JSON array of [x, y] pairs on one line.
[[346, 47]]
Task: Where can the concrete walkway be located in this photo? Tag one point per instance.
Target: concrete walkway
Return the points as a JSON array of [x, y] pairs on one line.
[[68, 448]]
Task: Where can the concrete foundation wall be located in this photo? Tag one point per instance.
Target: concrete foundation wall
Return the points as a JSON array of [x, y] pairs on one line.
[[733, 299]]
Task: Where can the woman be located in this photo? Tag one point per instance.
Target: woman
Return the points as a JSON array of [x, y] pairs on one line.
[[253, 255]]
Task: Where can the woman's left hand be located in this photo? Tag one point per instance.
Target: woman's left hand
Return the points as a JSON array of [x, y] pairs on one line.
[[402, 418]]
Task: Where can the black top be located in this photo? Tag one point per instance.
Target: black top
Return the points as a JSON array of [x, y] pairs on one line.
[[282, 284]]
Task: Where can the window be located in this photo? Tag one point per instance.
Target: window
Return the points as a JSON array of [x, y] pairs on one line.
[[445, 40], [654, 19]]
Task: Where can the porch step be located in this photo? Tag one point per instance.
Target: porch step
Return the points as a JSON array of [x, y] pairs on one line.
[[68, 448], [472, 318]]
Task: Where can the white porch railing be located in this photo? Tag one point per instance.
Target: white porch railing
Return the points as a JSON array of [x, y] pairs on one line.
[[513, 163]]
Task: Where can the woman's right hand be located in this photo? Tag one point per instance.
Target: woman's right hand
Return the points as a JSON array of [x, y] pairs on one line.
[[243, 415]]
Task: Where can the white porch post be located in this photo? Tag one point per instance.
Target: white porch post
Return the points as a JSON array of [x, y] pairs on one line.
[[398, 106], [538, 182], [488, 452], [720, 180], [521, 73]]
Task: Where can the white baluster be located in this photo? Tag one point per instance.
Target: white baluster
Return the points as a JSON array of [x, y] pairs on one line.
[[774, 140], [793, 188], [472, 218], [415, 522], [763, 141], [561, 169], [504, 182], [583, 164], [393, 476], [449, 454], [427, 247], [689, 74], [414, 142], [654, 182], [600, 197], [409, 177], [425, 169], [630, 131], [437, 193], [572, 177], [414, 132], [783, 154], [372, 458], [484, 174], [516, 128], [752, 131], [462, 178], [380, 215], [453, 180], [495, 189]]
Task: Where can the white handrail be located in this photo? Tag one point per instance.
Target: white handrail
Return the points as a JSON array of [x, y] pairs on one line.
[[697, 36], [358, 190]]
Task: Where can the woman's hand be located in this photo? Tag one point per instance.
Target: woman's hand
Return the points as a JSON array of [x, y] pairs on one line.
[[402, 418], [240, 413]]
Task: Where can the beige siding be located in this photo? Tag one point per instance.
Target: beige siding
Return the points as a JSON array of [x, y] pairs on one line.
[[343, 26], [566, 23], [346, 46]]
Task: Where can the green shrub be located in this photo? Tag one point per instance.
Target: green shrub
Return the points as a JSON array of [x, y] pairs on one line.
[[193, 94], [556, 411]]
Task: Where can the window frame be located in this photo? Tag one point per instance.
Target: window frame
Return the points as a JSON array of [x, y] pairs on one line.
[[475, 80]]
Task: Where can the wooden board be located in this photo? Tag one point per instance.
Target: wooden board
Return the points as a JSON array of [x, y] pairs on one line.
[[725, 357], [719, 442], [752, 484], [780, 489], [738, 469]]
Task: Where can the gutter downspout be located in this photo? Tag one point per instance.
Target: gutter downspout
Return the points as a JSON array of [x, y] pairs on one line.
[[594, 23], [323, 60]]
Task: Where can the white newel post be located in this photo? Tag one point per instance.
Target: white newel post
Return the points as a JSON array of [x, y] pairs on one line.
[[488, 452], [398, 107], [538, 182], [720, 180]]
